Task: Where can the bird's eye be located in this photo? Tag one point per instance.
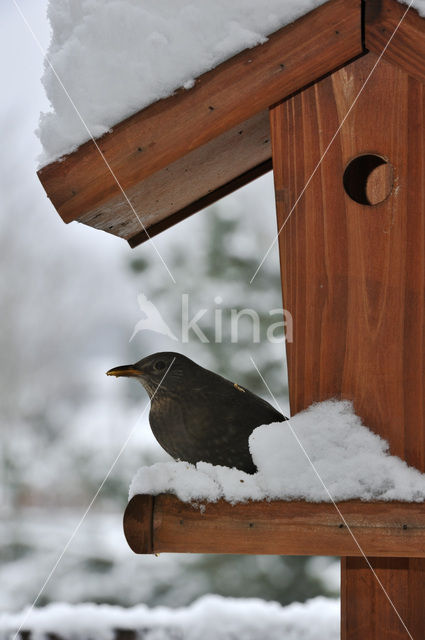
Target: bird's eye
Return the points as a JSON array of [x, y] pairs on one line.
[[159, 365]]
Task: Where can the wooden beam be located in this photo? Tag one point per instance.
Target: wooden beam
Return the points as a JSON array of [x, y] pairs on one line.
[[371, 614], [354, 281], [202, 202], [190, 183], [80, 185], [407, 47], [165, 524], [353, 274]]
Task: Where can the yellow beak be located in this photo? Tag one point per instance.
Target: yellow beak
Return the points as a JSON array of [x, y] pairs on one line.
[[127, 370]]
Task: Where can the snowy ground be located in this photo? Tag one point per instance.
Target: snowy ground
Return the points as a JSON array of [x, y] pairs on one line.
[[352, 462], [99, 567], [210, 618]]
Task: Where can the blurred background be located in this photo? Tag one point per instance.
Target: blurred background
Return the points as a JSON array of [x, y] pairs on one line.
[[68, 309]]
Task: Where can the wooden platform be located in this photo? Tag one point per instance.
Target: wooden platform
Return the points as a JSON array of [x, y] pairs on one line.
[[156, 524]]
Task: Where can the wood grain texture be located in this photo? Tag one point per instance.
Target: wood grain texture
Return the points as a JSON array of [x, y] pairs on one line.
[[138, 523], [373, 616], [169, 195], [353, 277], [221, 99], [204, 201], [278, 527], [379, 184], [407, 47]]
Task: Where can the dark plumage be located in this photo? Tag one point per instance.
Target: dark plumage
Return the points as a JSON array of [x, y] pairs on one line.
[[196, 414]]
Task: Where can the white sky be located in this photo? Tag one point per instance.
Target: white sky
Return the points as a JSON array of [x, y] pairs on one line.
[[21, 67], [21, 63]]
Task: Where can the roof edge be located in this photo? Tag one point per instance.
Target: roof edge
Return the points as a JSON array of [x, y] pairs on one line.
[[293, 57], [397, 33]]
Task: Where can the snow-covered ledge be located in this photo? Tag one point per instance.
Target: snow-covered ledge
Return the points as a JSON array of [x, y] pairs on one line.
[[284, 508], [352, 462]]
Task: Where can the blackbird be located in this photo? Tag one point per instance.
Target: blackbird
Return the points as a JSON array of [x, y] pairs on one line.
[[196, 414]]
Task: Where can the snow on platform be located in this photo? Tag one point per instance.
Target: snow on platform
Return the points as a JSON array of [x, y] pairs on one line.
[[353, 463], [210, 618]]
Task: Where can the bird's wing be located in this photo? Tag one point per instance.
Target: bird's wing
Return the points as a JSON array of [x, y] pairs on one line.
[[243, 409]]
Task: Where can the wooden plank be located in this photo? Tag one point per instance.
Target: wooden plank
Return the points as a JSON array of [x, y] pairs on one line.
[[221, 99], [202, 202], [197, 179], [407, 47], [354, 275], [354, 278], [278, 527], [373, 616]]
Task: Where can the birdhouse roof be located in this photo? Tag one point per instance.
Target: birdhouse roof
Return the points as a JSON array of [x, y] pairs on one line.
[[175, 155]]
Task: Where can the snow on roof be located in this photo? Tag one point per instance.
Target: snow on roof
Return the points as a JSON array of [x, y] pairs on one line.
[[352, 461], [210, 618], [115, 58]]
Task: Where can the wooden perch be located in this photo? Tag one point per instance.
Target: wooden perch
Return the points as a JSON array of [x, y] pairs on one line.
[[155, 524]]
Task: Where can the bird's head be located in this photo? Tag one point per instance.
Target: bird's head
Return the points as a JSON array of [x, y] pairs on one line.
[[157, 372]]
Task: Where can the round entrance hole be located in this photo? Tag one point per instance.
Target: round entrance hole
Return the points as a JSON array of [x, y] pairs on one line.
[[368, 179]]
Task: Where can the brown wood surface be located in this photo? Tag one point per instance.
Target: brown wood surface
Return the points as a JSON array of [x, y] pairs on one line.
[[353, 278], [221, 99], [138, 523], [380, 184], [183, 187], [407, 47], [278, 527], [202, 202], [373, 615]]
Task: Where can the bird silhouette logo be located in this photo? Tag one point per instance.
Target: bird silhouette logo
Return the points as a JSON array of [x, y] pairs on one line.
[[153, 321]]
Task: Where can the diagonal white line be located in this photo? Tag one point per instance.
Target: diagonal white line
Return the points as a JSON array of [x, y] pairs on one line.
[[303, 190], [333, 502], [77, 528], [74, 106]]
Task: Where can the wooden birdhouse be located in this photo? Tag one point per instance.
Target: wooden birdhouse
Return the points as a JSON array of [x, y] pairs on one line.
[[335, 103]]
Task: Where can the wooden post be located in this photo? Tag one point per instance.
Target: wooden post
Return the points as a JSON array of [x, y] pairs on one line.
[[353, 278]]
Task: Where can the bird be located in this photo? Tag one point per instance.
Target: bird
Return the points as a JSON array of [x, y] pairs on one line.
[[197, 415]]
